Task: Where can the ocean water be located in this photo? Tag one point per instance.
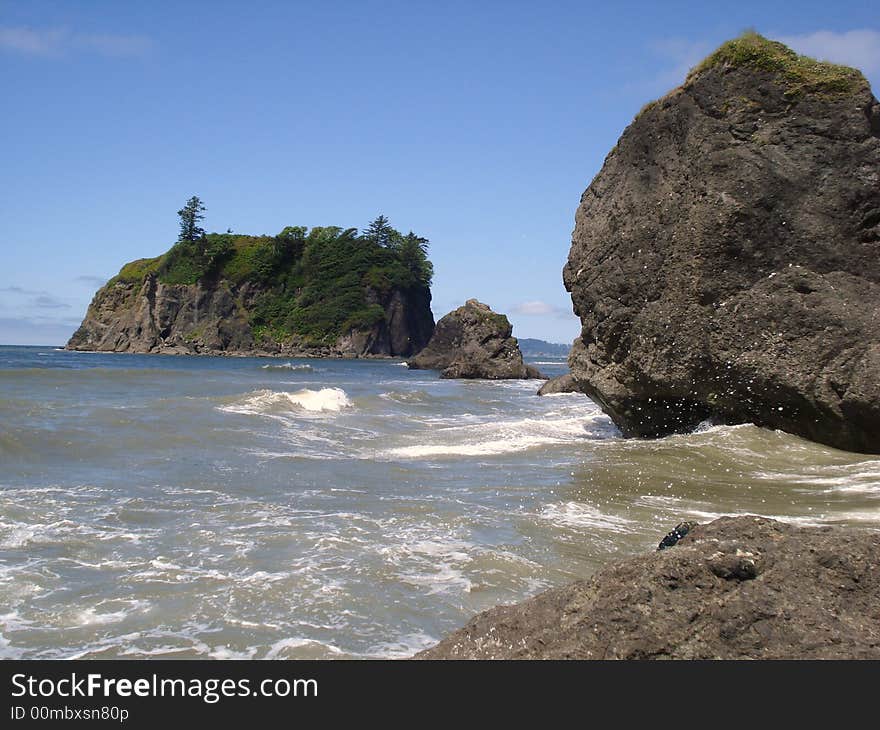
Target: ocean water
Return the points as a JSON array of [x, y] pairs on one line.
[[188, 507]]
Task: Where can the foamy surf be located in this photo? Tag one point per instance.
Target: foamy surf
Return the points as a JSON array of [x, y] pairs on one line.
[[490, 439], [269, 402], [578, 515], [295, 367], [141, 518]]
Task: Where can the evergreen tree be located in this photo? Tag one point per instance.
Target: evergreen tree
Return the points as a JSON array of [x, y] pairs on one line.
[[190, 215], [413, 252], [379, 231], [289, 244]]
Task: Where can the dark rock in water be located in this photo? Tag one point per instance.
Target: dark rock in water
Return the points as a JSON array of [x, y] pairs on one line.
[[560, 384], [474, 342], [672, 538], [736, 588], [725, 261]]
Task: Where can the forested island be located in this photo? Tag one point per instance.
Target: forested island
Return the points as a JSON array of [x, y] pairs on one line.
[[324, 291]]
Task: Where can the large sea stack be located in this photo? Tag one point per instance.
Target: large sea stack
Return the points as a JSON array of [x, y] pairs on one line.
[[725, 261], [474, 342]]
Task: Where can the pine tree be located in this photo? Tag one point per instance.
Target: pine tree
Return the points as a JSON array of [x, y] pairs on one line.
[[413, 252], [190, 215], [379, 231]]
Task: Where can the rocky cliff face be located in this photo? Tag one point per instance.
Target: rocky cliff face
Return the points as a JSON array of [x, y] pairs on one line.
[[736, 588], [474, 342], [152, 317], [725, 262]]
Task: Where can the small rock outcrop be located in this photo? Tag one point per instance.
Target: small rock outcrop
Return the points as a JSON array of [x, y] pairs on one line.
[[736, 588], [474, 342], [725, 262], [560, 384]]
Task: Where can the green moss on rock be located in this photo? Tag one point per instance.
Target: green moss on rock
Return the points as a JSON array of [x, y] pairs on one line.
[[802, 74], [136, 271], [313, 284]]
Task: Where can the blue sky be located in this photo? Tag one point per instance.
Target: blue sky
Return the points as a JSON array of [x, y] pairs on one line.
[[477, 125]]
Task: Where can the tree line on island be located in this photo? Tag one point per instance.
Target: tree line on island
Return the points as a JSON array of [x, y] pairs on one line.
[[317, 283]]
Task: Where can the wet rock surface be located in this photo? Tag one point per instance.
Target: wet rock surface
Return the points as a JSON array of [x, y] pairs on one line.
[[735, 588], [560, 384]]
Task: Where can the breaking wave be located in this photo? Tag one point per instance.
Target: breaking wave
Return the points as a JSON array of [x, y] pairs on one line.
[[296, 367], [488, 439], [271, 402]]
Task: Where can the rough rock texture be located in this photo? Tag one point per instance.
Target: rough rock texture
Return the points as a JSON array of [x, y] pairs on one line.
[[725, 262], [736, 588], [560, 384], [474, 342], [153, 317]]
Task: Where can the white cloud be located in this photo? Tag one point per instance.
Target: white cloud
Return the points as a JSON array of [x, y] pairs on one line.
[[30, 42], [35, 331], [47, 301], [56, 42], [536, 308], [859, 48], [678, 56], [91, 280]]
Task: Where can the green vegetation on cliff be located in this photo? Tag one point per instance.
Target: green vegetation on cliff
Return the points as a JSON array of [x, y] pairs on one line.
[[801, 73], [314, 283]]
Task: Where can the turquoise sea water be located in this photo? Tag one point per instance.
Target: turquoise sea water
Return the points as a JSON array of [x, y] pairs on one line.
[[172, 506]]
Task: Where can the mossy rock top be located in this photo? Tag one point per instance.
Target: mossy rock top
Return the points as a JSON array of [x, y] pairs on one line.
[[802, 74]]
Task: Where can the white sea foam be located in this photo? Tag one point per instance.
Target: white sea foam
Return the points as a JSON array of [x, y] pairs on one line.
[[94, 615], [224, 652], [488, 439], [11, 622], [281, 649], [268, 402], [403, 648], [432, 563], [859, 478], [297, 367], [580, 515]]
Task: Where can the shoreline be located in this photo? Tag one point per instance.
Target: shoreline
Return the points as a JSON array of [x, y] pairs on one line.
[[744, 587]]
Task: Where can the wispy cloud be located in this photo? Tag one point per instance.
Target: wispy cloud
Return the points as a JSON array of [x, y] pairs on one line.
[[35, 331], [45, 301], [666, 65], [20, 290], [859, 48], [676, 57], [537, 308], [34, 298], [60, 42], [91, 280]]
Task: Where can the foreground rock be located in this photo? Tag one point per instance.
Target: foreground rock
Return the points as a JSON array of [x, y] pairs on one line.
[[474, 342], [725, 261], [736, 588]]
